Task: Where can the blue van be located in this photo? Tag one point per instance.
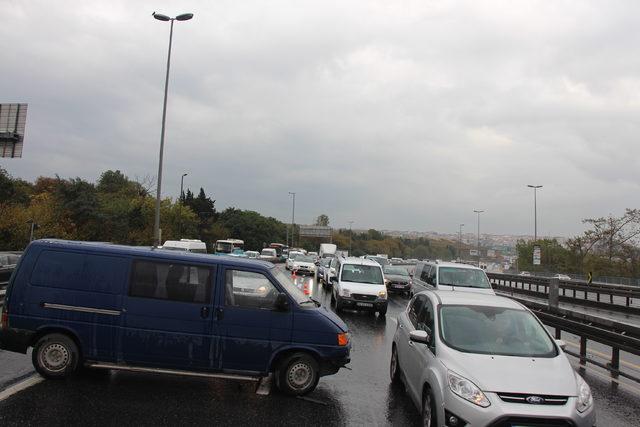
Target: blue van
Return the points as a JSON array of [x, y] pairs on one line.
[[139, 309]]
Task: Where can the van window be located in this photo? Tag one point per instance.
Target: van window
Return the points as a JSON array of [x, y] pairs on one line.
[[176, 282], [82, 272], [424, 276], [249, 290]]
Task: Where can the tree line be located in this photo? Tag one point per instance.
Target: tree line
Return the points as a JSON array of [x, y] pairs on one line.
[[609, 247]]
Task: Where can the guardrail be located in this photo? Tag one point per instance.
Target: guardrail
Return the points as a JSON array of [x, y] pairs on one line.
[[618, 336], [611, 297]]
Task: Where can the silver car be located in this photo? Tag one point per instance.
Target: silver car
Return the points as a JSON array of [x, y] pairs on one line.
[[472, 359]]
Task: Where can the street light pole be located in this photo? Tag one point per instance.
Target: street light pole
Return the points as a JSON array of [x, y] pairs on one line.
[[293, 217], [460, 241], [350, 234], [535, 211], [156, 224], [478, 212], [181, 187]]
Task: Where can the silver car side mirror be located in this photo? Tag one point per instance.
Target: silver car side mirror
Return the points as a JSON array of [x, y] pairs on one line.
[[562, 344], [420, 336]]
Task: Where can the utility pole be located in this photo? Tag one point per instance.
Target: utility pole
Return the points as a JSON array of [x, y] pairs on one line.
[[350, 234], [460, 241], [535, 211], [293, 217], [478, 212]]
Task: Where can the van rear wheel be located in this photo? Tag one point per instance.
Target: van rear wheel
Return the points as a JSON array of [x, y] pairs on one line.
[[298, 374], [55, 356]]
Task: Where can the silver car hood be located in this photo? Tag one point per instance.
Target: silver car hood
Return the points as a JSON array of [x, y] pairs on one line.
[[510, 374]]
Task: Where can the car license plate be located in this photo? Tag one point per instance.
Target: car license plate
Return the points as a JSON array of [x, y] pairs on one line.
[[398, 286], [364, 304]]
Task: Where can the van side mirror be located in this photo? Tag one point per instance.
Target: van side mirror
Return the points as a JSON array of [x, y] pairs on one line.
[[334, 279], [282, 302], [420, 336]]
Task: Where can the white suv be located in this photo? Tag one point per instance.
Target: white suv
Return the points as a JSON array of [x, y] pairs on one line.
[[359, 284]]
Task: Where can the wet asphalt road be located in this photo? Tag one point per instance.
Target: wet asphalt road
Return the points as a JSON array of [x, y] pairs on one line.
[[360, 396]]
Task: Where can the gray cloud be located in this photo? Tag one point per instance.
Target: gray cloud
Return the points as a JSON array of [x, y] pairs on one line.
[[403, 115]]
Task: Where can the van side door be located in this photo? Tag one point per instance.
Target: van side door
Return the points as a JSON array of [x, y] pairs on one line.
[[250, 327], [167, 314]]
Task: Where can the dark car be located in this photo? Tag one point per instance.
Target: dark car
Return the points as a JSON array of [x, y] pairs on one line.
[[322, 264], [121, 307], [397, 279]]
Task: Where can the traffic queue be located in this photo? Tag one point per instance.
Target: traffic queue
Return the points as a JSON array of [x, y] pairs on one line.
[[465, 355]]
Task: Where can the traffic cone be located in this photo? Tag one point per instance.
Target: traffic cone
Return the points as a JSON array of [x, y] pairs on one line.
[[306, 289]]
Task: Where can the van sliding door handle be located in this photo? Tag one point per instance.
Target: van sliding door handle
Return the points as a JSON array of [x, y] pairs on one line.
[[204, 312], [219, 314]]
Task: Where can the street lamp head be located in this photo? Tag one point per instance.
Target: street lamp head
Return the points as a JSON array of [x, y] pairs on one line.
[[185, 174], [534, 186], [161, 17], [184, 17], [478, 211]]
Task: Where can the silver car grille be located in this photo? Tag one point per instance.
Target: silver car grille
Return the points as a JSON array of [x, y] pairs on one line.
[[533, 399]]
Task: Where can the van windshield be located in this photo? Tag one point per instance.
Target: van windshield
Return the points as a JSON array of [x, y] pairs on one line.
[[291, 288], [369, 274], [224, 247]]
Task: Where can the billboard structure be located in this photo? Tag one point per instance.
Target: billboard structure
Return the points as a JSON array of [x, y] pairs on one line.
[[315, 231], [13, 118], [536, 255]]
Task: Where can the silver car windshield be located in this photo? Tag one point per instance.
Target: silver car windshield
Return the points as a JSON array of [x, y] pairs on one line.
[[494, 330], [291, 288], [463, 277]]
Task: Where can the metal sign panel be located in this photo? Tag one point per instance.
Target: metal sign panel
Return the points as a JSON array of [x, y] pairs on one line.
[[315, 231], [473, 252], [13, 118], [536, 255]]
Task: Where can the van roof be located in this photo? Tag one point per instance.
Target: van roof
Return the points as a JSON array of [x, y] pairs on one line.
[[149, 252]]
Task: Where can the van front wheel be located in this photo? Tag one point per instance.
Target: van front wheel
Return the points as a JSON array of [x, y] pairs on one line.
[[298, 374], [55, 356]]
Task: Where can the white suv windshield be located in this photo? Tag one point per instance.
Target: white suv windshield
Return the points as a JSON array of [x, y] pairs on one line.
[[494, 330], [464, 277], [362, 274]]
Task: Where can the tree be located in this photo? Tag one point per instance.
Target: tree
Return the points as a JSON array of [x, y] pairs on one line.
[[322, 220]]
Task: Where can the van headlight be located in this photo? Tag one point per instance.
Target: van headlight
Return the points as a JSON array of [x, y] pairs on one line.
[[585, 399], [382, 294], [467, 390], [346, 293]]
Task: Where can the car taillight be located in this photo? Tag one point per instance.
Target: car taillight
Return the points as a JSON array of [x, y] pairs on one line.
[[343, 339]]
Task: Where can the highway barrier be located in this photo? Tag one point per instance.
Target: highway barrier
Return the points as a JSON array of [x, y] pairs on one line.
[[620, 298]]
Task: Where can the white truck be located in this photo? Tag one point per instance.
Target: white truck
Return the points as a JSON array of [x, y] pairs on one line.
[[327, 250]]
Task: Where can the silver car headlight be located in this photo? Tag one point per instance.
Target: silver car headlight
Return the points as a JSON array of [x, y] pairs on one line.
[[467, 390], [585, 399]]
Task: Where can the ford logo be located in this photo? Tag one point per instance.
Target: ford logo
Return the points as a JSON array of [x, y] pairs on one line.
[[535, 400]]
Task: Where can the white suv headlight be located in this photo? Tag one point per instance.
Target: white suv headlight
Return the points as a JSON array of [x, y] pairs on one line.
[[585, 399], [467, 390]]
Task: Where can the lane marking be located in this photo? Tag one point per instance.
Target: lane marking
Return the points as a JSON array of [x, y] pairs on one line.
[[605, 356], [22, 385]]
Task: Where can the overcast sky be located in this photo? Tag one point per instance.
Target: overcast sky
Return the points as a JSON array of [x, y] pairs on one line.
[[394, 114]]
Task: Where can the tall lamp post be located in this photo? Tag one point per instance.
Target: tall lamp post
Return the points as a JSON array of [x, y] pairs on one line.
[[293, 216], [350, 234], [478, 212], [181, 187], [160, 17], [535, 211], [460, 241]]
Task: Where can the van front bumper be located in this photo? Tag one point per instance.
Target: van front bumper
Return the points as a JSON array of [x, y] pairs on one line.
[[331, 366], [17, 340]]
